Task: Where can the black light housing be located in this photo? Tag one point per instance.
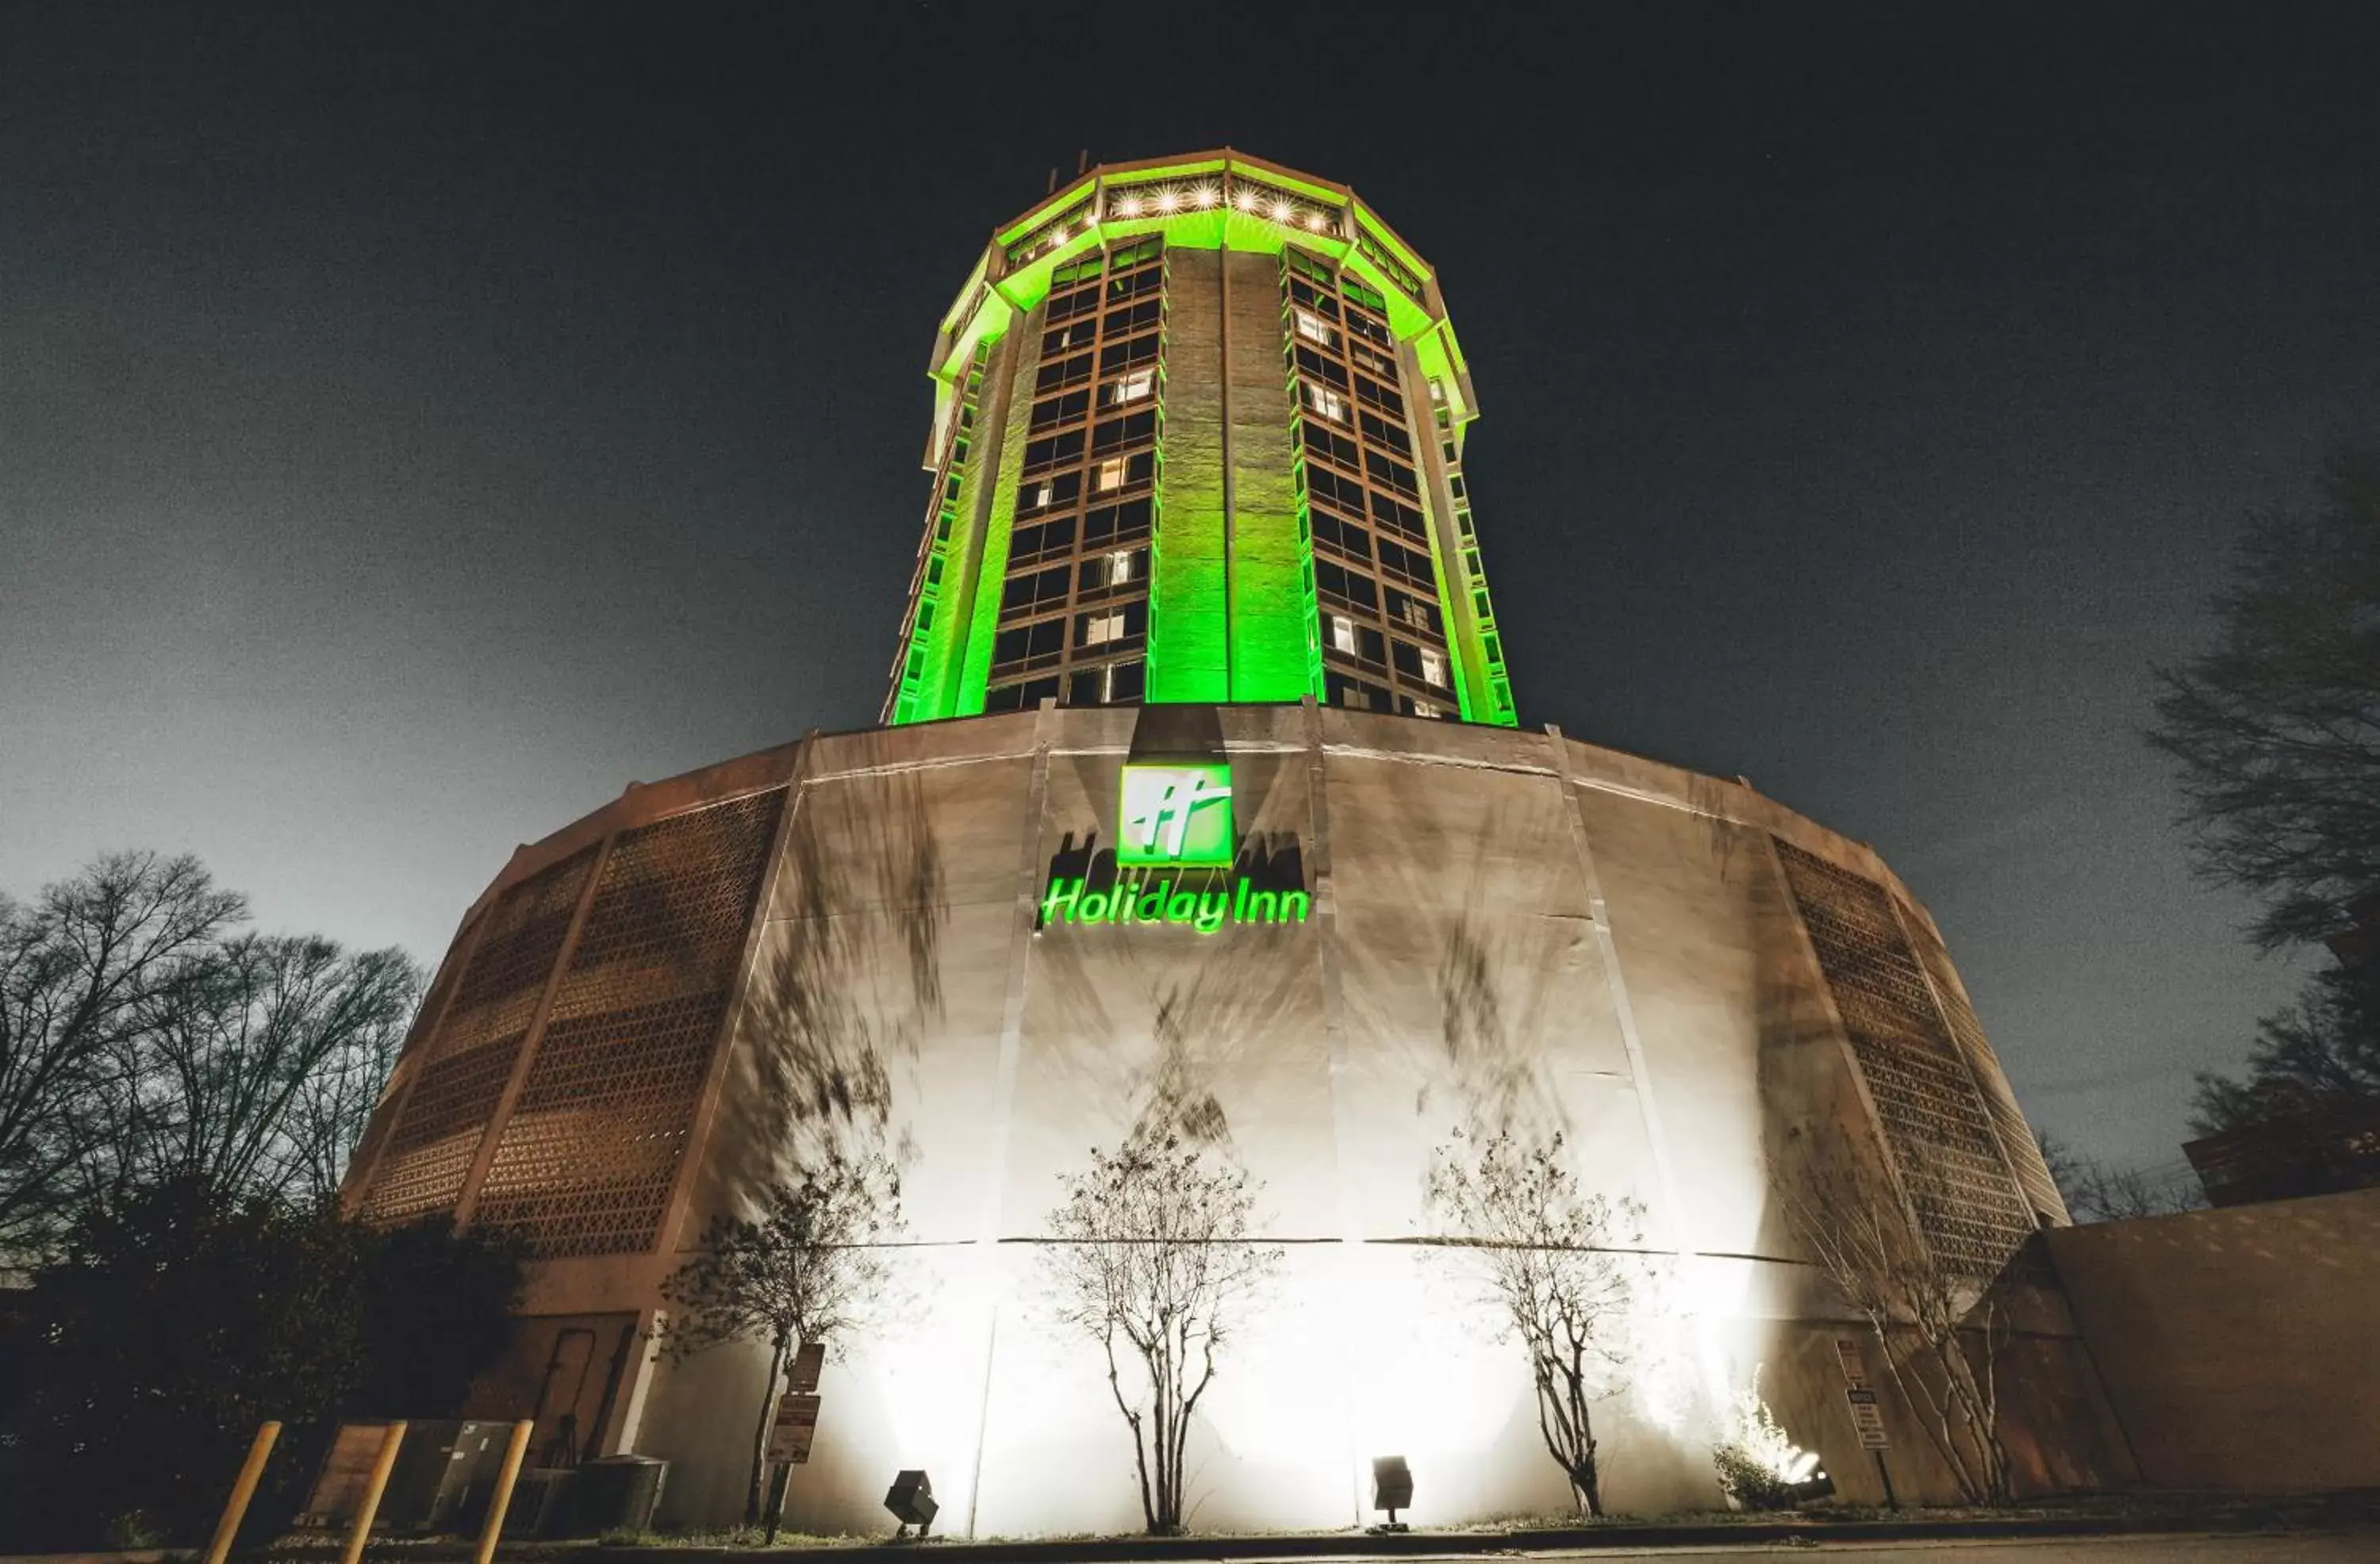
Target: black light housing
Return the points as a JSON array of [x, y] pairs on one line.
[[1391, 1488], [911, 1500]]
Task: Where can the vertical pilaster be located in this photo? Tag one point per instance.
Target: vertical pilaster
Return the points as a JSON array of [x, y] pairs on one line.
[[1331, 969], [413, 1059], [668, 1235], [467, 1202], [1004, 1072]]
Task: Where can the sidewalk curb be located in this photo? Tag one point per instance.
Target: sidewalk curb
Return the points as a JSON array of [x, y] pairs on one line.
[[2272, 1517]]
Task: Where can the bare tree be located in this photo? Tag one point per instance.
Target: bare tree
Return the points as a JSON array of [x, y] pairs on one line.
[[809, 1267], [2275, 731], [1150, 1256], [1940, 1328], [80, 965], [254, 1064], [2096, 1192], [1561, 1266]]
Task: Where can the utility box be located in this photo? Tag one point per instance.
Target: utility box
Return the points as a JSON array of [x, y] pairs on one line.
[[613, 1493], [539, 1500], [444, 1472]]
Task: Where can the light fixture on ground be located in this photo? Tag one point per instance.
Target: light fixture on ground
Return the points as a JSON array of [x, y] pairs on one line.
[[911, 1500], [1392, 1489]]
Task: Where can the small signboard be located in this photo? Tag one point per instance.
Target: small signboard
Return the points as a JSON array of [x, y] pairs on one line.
[[809, 1359], [1846, 1352], [1867, 1418], [797, 1425]]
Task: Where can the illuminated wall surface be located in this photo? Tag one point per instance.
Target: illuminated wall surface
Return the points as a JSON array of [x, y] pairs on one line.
[[652, 1011], [1198, 436]]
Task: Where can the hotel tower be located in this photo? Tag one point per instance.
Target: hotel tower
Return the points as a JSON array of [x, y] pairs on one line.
[[1199, 808]]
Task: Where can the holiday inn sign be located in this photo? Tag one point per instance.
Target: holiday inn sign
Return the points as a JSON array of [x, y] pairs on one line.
[[1177, 817]]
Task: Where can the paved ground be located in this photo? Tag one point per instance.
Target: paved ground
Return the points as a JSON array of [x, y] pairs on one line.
[[2292, 1548]]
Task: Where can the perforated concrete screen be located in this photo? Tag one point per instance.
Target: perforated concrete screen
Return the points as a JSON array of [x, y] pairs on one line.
[[1932, 1111]]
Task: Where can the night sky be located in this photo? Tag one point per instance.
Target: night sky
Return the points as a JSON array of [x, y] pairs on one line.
[[417, 423]]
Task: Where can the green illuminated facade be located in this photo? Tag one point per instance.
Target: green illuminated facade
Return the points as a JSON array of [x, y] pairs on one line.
[[1198, 431]]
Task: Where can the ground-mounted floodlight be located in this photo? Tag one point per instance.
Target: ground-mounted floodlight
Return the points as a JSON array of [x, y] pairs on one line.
[[1392, 1489], [911, 1500]]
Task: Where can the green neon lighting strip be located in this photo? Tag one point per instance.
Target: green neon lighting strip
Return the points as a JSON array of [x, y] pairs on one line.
[[925, 689]]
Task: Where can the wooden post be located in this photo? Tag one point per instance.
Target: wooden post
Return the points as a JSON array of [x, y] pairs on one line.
[[502, 1497], [252, 1472], [377, 1484]]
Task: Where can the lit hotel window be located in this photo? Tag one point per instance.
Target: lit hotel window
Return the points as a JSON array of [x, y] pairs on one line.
[[1109, 475], [1311, 328], [1101, 628], [1343, 634], [1131, 387], [1119, 567], [1326, 402], [1433, 667], [1425, 709]]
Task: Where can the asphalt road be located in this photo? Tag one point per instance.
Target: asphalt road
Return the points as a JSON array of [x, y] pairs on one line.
[[2279, 1547]]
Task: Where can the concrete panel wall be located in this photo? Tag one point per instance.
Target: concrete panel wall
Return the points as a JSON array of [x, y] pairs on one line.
[[2236, 1345], [1509, 931]]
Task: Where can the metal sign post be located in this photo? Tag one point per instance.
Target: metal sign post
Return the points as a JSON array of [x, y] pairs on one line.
[[1867, 1416], [791, 1434]]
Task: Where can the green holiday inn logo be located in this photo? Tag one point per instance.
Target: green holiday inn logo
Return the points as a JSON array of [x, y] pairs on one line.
[[1177, 816]]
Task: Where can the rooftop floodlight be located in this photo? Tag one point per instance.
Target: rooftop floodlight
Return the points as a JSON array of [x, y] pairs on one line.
[[911, 1500], [1392, 1489]]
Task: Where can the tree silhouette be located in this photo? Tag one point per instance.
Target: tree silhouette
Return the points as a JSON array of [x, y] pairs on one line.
[[1552, 1262], [1939, 1326], [1150, 1256], [807, 1268]]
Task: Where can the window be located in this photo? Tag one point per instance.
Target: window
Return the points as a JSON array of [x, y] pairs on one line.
[[1107, 626], [1133, 387], [1342, 537], [1014, 697], [1033, 591], [1418, 612], [1109, 475], [1423, 707], [1116, 524], [1133, 428], [1313, 328], [1346, 586], [1040, 455], [1325, 401], [1134, 350], [1339, 690], [1111, 683], [1051, 411], [1064, 372], [1433, 667], [1343, 634], [1118, 567], [1029, 644], [1029, 543]]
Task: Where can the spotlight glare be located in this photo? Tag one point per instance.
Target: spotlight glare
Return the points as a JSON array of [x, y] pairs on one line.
[[1245, 200], [1280, 210]]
